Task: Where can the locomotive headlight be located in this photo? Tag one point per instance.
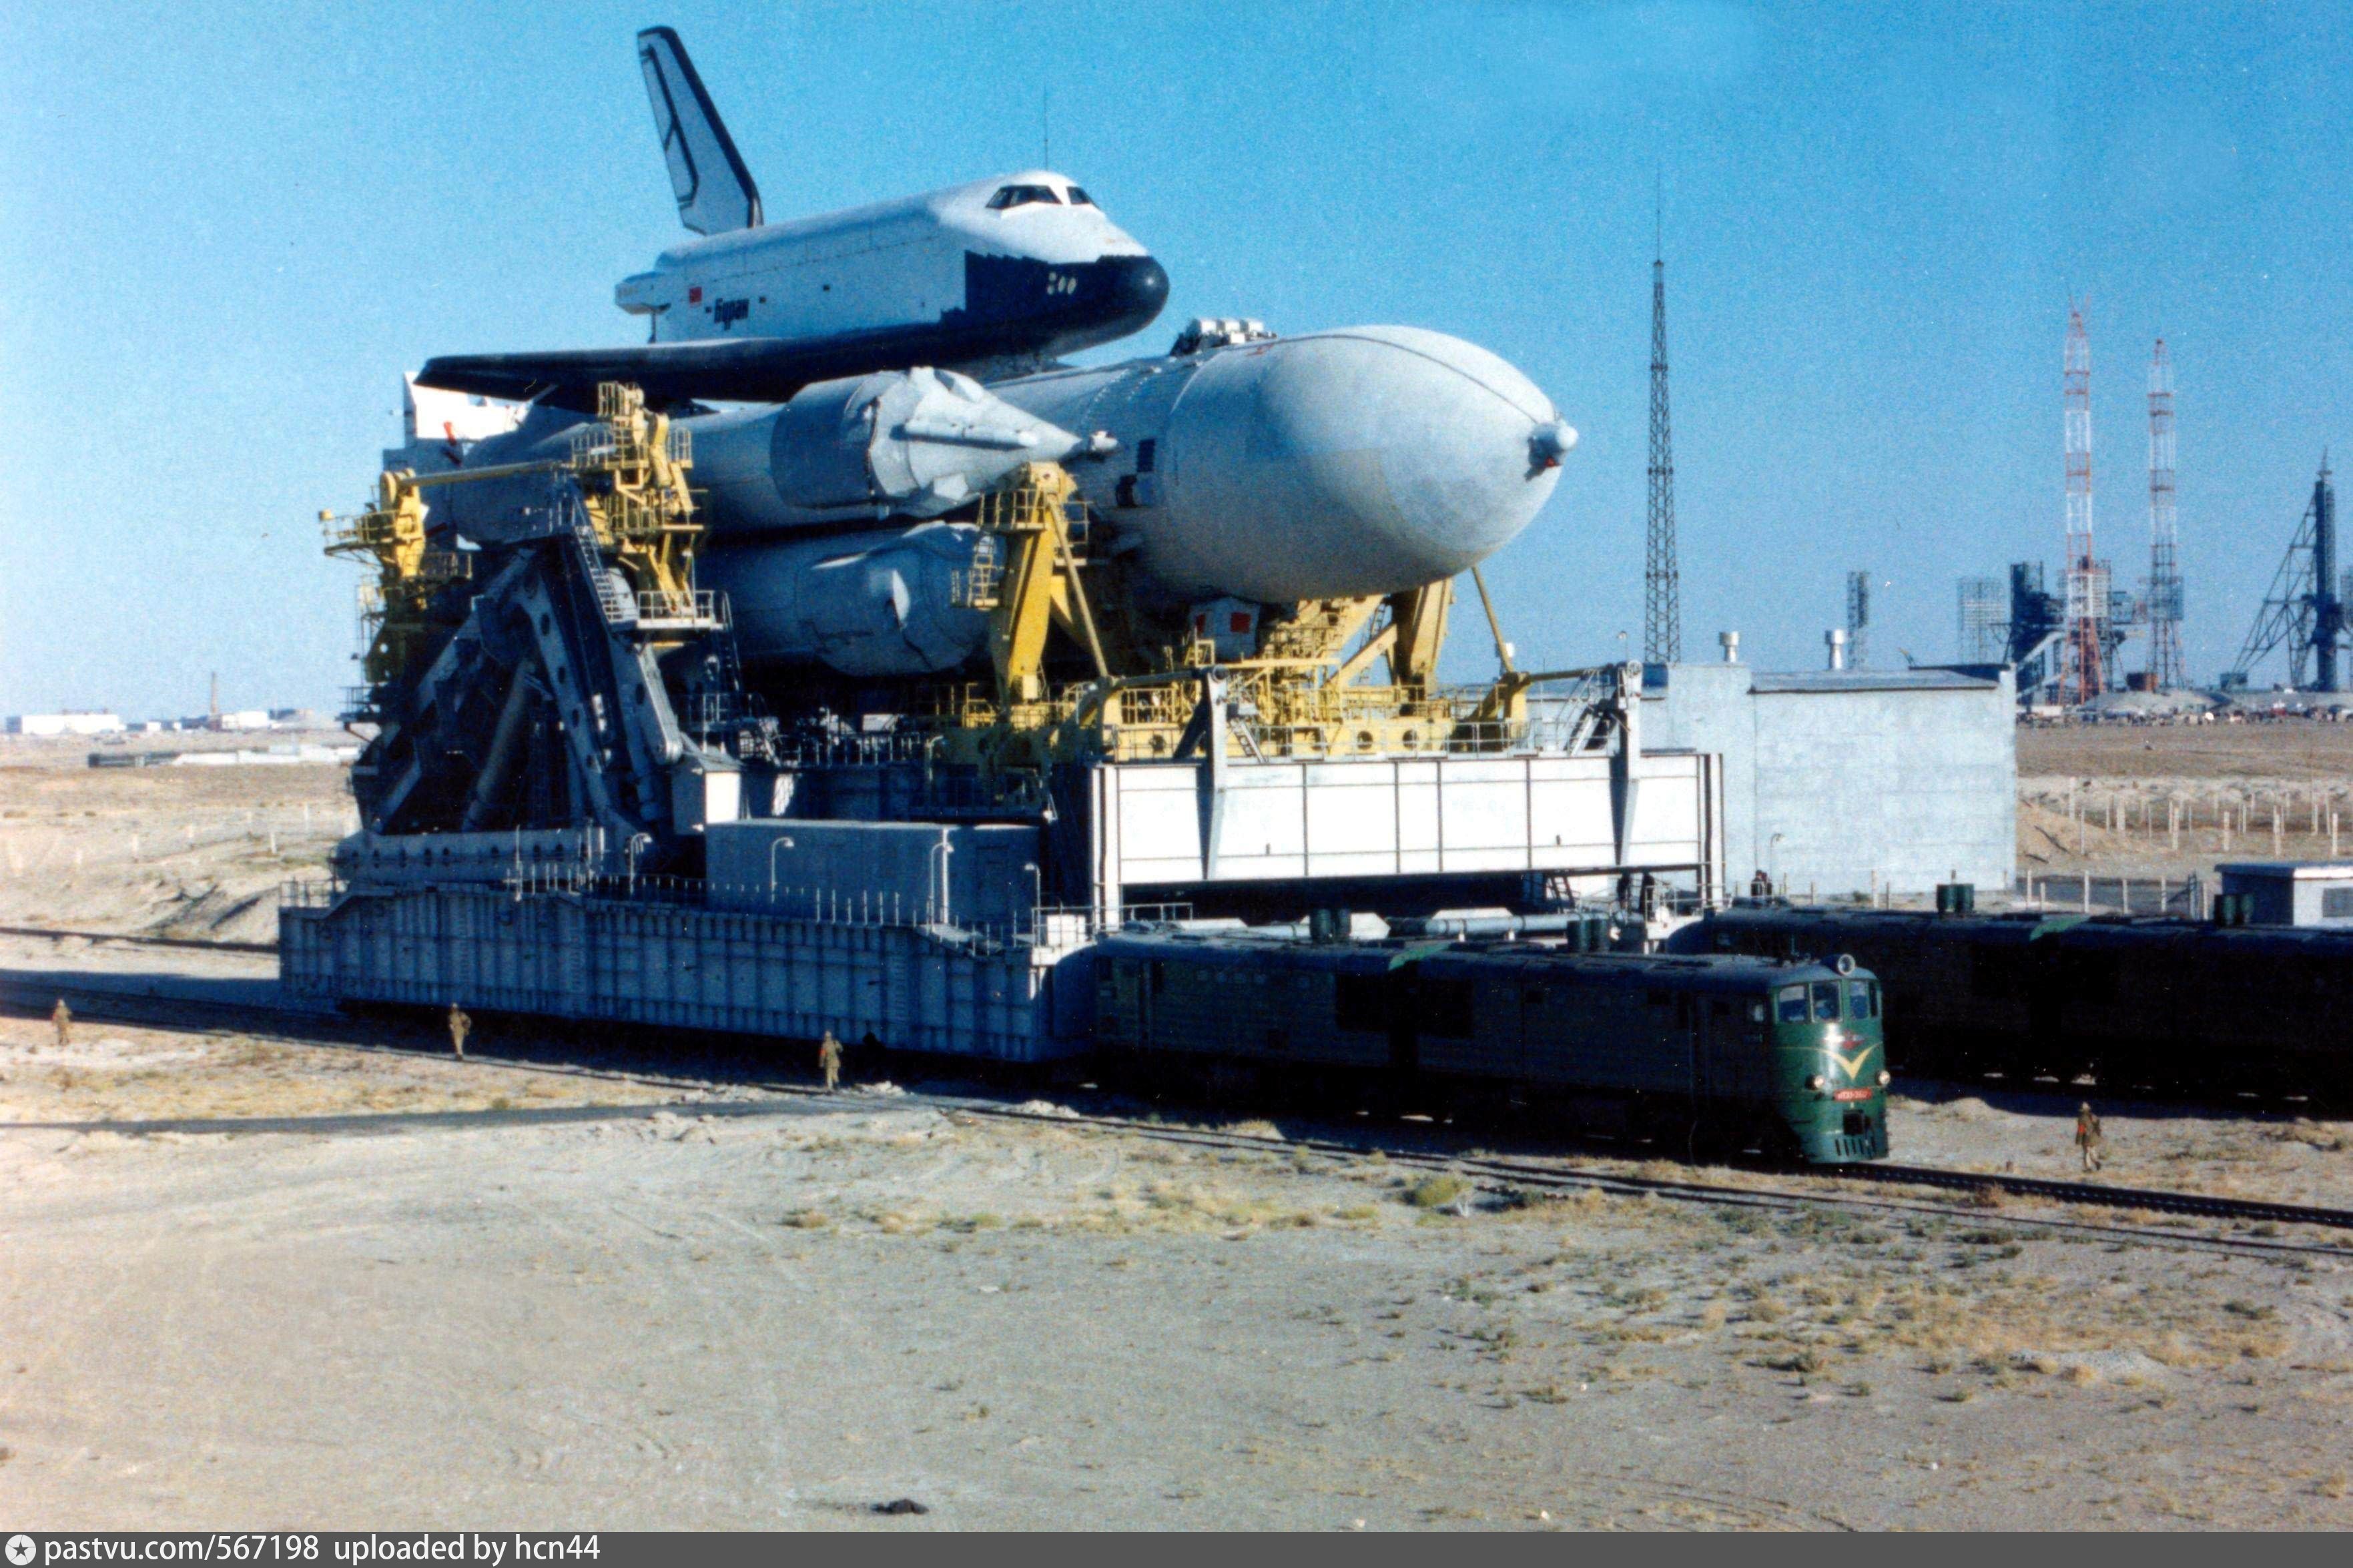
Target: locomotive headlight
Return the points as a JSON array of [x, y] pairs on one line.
[[1814, 1082], [1885, 1077]]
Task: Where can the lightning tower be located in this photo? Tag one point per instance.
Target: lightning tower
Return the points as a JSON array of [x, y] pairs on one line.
[[1662, 612], [2166, 665], [2083, 674]]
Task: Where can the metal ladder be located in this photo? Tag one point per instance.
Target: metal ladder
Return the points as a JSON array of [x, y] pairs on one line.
[[618, 605]]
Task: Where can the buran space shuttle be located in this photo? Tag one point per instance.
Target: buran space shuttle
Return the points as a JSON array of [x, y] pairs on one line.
[[993, 276], [892, 363]]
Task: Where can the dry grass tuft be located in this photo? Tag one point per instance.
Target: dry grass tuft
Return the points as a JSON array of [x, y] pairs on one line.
[[2328, 1140], [1445, 1191]]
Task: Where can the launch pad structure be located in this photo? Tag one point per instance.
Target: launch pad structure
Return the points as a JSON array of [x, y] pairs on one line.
[[579, 803]]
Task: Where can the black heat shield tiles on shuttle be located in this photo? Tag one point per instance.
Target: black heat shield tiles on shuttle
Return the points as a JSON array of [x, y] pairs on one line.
[[1014, 308]]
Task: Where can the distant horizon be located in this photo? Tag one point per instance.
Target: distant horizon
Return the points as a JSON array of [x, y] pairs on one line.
[[226, 252]]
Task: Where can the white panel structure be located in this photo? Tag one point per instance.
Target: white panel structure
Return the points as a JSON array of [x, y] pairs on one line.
[[1165, 823]]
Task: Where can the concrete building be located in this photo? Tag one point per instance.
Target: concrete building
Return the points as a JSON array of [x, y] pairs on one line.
[[1844, 782], [53, 724]]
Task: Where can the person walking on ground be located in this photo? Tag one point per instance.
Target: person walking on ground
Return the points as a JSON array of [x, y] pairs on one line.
[[460, 1025], [829, 1060], [2088, 1135], [61, 1018]]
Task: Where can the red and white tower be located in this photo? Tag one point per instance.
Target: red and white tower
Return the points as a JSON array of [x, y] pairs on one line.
[[2082, 652], [2167, 670]]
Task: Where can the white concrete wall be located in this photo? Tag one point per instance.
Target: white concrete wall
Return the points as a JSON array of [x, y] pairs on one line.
[[1845, 784]]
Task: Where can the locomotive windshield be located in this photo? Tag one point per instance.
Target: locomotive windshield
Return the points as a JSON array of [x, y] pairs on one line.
[[1818, 1002], [1863, 999]]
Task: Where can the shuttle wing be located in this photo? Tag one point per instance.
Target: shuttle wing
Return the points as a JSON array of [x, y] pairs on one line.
[[725, 370], [715, 192]]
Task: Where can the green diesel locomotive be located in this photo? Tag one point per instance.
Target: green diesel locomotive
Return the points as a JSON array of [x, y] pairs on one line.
[[1698, 1053]]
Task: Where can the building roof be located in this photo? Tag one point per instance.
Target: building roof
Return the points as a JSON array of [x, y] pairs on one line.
[[1813, 680], [2298, 870]]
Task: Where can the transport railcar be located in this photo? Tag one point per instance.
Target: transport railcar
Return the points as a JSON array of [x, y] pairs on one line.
[[2174, 1005], [1702, 1053]]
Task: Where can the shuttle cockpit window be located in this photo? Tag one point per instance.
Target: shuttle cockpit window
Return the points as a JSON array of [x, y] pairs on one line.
[[1022, 195], [1079, 197]]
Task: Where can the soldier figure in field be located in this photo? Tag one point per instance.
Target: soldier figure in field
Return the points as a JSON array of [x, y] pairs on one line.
[[460, 1025], [61, 1020], [2088, 1137], [829, 1060]]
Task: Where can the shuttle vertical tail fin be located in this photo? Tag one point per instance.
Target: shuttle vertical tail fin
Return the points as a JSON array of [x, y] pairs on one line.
[[715, 192]]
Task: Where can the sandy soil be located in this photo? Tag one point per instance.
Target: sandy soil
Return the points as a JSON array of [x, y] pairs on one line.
[[2285, 750], [786, 1317], [181, 851]]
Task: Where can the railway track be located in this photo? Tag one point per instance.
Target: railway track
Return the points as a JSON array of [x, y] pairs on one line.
[[1831, 1189], [214, 944], [1984, 1197]]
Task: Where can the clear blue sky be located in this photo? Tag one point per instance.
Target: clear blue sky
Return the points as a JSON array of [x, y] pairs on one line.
[[226, 231]]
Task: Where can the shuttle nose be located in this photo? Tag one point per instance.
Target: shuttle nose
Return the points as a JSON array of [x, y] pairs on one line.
[[1135, 287], [1387, 456]]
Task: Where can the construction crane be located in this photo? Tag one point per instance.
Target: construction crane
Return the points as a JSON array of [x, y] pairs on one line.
[[2305, 610]]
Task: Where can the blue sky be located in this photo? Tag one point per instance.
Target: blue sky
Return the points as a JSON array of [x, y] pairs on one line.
[[226, 230]]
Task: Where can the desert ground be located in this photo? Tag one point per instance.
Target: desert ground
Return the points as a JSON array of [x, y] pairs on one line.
[[174, 850], [2172, 800], [326, 1274]]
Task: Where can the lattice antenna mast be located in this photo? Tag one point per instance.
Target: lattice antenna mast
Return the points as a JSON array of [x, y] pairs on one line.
[[2081, 654], [2167, 670], [1662, 612], [1857, 619]]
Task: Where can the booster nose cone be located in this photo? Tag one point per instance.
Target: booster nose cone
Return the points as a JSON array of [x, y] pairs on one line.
[[1367, 460]]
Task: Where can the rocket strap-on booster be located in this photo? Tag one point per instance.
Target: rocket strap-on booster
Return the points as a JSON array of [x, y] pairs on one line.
[[1361, 461]]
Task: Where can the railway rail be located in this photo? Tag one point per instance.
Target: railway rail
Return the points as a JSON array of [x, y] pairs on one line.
[[1984, 1197], [214, 944]]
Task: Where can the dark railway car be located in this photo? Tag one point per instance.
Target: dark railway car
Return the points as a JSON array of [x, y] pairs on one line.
[[2174, 1005], [1705, 1052]]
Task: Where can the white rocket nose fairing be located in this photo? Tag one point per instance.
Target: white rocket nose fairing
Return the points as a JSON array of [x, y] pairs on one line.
[[1363, 460]]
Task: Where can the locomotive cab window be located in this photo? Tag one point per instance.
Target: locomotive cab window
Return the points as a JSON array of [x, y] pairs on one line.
[[1826, 1001], [1793, 1005], [1861, 999]]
